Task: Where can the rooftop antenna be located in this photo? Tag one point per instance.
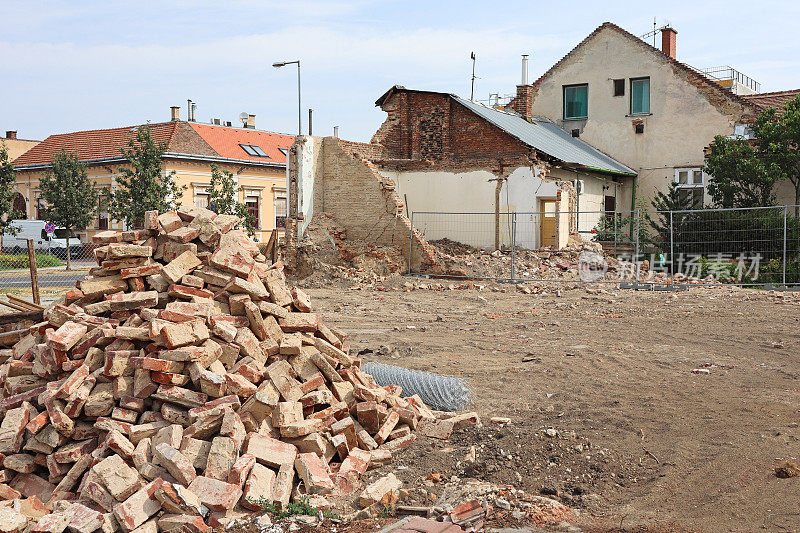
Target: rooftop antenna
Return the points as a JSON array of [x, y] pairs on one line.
[[472, 89], [654, 31], [243, 116]]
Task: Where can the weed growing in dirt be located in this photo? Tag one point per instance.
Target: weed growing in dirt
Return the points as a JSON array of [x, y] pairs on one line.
[[301, 507]]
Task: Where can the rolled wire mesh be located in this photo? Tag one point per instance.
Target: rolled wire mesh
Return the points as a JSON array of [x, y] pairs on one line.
[[440, 392]]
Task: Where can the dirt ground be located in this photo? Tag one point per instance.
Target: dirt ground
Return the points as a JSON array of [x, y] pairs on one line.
[[640, 440]]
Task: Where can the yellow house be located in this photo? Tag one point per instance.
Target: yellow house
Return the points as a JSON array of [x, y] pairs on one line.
[[256, 158], [16, 147]]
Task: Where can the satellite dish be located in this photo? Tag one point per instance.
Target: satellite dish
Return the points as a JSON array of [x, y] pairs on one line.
[[243, 116]]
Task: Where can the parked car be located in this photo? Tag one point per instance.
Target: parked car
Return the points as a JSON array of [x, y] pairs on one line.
[[42, 242]]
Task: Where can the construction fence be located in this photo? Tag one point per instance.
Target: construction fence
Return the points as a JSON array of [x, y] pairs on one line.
[[53, 273], [755, 246]]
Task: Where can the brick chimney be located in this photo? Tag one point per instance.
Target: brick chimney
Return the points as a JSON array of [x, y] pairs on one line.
[[251, 122], [11, 134], [175, 112], [523, 103], [669, 39]]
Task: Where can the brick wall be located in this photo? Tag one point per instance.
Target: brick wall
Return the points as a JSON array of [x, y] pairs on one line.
[[425, 130]]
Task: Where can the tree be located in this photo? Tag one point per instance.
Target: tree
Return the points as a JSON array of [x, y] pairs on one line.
[[7, 195], [69, 194], [223, 198], [740, 177], [671, 213], [778, 140], [143, 185]]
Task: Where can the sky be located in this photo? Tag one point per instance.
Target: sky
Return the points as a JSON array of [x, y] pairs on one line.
[[77, 65]]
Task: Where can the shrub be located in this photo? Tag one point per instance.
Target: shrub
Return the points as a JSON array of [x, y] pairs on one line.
[[15, 261]]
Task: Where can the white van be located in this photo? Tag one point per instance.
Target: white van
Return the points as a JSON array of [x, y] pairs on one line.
[[34, 229]]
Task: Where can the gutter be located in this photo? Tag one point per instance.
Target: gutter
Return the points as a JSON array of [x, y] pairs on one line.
[[166, 155]]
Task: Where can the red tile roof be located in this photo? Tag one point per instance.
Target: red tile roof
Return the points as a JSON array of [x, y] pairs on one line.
[[185, 138], [776, 99], [226, 142], [694, 74]]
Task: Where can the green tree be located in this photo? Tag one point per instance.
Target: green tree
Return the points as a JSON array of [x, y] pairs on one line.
[[778, 140], [223, 198], [671, 213], [740, 177], [143, 185], [7, 195], [69, 194]]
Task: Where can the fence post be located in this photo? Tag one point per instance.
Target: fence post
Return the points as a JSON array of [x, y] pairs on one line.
[[513, 242], [636, 252], [615, 233], [671, 247], [785, 214], [411, 243], [34, 274]]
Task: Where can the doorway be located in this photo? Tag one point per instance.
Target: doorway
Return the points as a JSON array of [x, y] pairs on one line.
[[547, 228]]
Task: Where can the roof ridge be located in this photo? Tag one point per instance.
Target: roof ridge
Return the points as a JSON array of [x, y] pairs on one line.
[[715, 86], [243, 129]]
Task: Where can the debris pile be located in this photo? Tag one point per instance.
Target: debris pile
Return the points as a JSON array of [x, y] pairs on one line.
[[181, 386]]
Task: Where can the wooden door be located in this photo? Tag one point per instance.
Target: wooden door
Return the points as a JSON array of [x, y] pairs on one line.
[[547, 228]]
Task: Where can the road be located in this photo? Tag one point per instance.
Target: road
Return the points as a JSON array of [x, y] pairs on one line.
[[47, 278]]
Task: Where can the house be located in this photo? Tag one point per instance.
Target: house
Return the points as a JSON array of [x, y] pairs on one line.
[[641, 106], [445, 153], [513, 174], [256, 158], [14, 146]]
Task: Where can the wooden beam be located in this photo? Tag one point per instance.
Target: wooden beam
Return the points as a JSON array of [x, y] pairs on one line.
[[12, 318]]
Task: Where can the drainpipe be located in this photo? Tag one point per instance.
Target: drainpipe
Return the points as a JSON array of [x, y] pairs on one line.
[[497, 190], [633, 201]]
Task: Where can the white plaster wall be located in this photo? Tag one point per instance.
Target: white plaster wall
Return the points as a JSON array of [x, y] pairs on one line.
[[472, 194], [308, 155], [682, 121]]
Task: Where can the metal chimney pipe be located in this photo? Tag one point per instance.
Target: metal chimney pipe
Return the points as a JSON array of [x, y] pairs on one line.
[[524, 69], [189, 110], [336, 131]]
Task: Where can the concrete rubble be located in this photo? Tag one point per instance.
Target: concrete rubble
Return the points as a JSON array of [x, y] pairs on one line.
[[183, 385]]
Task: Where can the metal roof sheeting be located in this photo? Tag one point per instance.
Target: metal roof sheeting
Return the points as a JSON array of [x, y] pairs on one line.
[[548, 138]]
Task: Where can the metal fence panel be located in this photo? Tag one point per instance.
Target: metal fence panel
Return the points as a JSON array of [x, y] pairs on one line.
[[753, 246]]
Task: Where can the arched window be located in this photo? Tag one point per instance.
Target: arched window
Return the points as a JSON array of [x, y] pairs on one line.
[[20, 207]]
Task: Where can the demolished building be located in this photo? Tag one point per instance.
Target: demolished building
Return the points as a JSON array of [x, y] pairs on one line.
[[438, 152]]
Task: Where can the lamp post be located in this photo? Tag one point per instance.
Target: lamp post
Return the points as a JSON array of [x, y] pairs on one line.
[[299, 119]]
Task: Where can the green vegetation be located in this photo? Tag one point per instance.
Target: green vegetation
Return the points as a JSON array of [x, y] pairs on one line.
[[15, 261], [223, 198], [7, 194], [70, 196]]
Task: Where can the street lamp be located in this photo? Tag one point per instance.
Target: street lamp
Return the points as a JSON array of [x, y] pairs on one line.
[[283, 64]]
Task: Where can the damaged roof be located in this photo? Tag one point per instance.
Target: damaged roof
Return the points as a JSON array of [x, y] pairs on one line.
[[546, 137]]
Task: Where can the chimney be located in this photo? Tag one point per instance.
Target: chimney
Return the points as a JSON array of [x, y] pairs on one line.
[[175, 112], [11, 134], [523, 103], [190, 107], [668, 41], [251, 122]]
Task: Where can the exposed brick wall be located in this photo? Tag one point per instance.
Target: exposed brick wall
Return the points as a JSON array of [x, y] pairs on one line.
[[432, 130], [365, 203]]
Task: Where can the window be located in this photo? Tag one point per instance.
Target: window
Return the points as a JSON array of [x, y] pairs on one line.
[[252, 201], [576, 101], [102, 214], [254, 150], [691, 185], [40, 207], [280, 211], [201, 198], [640, 96], [619, 87]]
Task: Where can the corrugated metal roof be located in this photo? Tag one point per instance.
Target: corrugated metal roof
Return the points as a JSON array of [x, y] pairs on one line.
[[548, 138]]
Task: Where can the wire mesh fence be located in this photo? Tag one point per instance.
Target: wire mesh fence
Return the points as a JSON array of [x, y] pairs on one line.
[[753, 246], [55, 273]]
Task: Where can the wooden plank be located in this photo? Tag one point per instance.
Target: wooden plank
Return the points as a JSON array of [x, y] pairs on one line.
[[34, 274], [25, 303], [14, 306], [272, 244]]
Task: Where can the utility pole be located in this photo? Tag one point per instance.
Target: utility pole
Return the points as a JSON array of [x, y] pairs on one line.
[[472, 90]]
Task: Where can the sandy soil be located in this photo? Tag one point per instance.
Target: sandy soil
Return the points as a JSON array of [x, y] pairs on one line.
[[641, 440]]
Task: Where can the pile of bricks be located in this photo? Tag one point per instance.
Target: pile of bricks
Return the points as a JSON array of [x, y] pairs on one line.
[[182, 385]]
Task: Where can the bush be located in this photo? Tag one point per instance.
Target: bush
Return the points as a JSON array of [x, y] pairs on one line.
[[621, 229], [15, 261]]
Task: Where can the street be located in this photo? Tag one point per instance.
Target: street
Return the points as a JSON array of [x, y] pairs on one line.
[[47, 279]]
